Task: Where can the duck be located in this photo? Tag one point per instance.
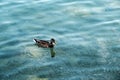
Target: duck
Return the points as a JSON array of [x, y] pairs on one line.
[[45, 43]]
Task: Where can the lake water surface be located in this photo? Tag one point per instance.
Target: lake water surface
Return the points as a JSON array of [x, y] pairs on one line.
[[87, 33]]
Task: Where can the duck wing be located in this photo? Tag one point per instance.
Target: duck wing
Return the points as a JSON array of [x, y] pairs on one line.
[[42, 43]]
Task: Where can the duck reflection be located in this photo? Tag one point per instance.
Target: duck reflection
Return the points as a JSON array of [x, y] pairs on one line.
[[52, 52]]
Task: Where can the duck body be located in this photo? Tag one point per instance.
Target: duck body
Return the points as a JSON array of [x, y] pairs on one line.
[[45, 44]]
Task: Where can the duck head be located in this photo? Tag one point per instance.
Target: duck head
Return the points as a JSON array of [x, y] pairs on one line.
[[52, 41]]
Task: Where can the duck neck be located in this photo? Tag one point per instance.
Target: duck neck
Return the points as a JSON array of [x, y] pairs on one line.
[[51, 45]]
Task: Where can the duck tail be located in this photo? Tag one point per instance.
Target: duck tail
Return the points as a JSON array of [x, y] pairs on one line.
[[35, 40]]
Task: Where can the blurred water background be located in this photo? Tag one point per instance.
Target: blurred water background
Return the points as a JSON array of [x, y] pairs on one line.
[[87, 34]]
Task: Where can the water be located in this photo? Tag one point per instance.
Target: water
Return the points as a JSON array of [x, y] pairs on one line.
[[87, 34]]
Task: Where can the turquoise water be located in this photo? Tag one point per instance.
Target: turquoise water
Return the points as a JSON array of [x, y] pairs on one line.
[[87, 33]]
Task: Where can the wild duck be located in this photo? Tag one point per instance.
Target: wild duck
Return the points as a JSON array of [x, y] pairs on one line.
[[45, 44]]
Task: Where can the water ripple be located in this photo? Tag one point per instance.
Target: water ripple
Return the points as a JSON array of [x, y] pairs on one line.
[[86, 32]]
